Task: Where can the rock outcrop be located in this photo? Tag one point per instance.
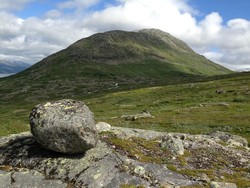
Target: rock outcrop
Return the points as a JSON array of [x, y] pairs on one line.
[[65, 126], [233, 140], [114, 162], [21, 155]]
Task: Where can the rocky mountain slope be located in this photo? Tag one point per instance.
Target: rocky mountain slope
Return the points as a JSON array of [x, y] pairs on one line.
[[110, 61], [130, 158]]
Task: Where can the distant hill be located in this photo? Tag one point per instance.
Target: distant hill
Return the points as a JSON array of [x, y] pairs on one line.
[[12, 67], [243, 70], [110, 60]]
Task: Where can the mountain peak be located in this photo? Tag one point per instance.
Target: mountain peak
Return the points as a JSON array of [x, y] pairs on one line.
[[119, 44], [168, 39]]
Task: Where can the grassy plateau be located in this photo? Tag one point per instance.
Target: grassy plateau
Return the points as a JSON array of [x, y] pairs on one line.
[[191, 108], [219, 104]]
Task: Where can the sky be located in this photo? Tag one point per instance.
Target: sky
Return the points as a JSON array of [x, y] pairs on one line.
[[30, 30]]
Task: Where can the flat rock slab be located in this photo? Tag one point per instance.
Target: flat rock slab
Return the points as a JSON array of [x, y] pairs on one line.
[[28, 178], [22, 159]]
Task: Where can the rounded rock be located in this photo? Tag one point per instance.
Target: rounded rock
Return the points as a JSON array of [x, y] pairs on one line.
[[102, 127], [65, 126]]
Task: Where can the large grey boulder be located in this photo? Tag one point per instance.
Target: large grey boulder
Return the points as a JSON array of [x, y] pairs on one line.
[[65, 126]]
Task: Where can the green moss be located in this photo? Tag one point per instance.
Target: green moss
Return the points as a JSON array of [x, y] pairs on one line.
[[140, 149], [188, 172], [182, 158], [239, 178], [197, 172], [172, 167]]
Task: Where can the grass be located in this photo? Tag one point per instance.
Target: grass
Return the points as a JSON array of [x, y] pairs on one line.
[[14, 118], [239, 178], [191, 108]]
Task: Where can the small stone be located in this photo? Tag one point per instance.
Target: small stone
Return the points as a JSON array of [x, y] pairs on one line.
[[220, 91], [173, 144], [204, 178], [103, 126], [139, 170], [65, 126], [144, 114]]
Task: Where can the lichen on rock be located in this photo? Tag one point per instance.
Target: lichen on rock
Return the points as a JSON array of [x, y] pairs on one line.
[[65, 126]]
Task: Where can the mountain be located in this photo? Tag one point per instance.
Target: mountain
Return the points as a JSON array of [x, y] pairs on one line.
[[243, 70], [12, 67], [110, 60]]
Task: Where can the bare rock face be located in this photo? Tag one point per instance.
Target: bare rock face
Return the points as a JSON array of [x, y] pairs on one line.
[[65, 126]]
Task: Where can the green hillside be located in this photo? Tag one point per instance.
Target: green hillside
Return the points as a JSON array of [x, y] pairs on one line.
[[114, 60], [192, 108]]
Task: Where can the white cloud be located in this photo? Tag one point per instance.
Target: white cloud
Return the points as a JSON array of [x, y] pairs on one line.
[[13, 4], [233, 41], [137, 14], [53, 14], [77, 4], [34, 38]]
